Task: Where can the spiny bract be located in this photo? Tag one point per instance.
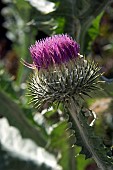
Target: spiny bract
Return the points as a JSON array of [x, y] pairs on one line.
[[74, 79]]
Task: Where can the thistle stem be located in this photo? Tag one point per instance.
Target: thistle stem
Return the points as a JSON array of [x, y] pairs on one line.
[[83, 132]]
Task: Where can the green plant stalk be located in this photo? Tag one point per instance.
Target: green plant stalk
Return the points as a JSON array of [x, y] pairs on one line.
[[74, 111], [24, 54], [86, 23], [72, 161]]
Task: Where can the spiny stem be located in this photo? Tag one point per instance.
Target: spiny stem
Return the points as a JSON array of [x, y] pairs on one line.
[[83, 132]]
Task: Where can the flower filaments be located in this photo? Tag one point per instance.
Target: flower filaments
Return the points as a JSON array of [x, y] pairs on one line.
[[53, 50], [59, 71]]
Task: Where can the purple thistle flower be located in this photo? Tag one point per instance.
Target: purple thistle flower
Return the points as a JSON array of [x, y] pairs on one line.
[[71, 75], [53, 50]]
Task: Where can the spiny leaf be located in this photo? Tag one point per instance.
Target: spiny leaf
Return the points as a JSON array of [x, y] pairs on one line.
[[79, 140], [95, 142]]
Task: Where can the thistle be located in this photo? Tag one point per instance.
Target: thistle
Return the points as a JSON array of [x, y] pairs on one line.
[[60, 72]]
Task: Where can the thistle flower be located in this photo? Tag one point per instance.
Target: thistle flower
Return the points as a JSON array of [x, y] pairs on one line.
[[53, 50], [60, 72]]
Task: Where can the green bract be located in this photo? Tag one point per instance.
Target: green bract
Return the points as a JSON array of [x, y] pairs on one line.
[[58, 84]]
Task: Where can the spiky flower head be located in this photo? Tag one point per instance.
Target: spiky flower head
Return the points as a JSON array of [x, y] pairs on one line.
[[60, 71]]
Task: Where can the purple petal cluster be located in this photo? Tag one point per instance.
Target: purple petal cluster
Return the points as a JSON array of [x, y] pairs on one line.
[[53, 50]]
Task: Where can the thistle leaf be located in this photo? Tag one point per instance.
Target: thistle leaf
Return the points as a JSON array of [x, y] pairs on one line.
[[90, 141]]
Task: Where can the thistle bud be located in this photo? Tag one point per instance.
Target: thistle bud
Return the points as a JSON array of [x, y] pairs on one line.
[[60, 73]]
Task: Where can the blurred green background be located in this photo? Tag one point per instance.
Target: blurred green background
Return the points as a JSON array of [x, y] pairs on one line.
[[39, 139]]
